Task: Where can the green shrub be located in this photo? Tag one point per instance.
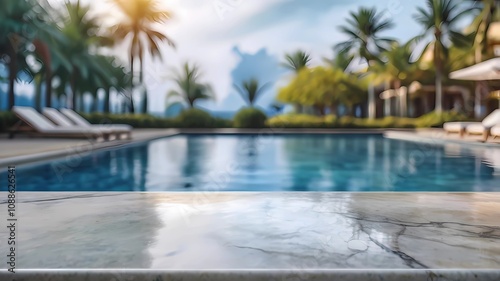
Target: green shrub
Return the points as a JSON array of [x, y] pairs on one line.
[[195, 118], [7, 120], [300, 121], [134, 120], [250, 118], [223, 123], [433, 119], [330, 121]]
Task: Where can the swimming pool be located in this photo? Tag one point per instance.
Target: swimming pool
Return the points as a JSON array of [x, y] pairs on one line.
[[358, 163]]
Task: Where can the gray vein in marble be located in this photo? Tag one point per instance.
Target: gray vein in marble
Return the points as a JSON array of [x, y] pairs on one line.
[[258, 230]]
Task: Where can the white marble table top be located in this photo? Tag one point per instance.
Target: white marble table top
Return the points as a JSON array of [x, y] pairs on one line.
[[285, 231]]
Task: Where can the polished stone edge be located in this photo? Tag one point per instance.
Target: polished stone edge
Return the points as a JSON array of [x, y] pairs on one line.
[[41, 157], [251, 275], [436, 140]]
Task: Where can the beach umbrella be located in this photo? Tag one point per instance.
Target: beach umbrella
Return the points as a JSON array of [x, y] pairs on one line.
[[487, 70]]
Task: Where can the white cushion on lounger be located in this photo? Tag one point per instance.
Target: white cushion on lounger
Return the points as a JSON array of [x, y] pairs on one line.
[[79, 120], [57, 117], [41, 124], [456, 126], [476, 128], [492, 119], [495, 131]]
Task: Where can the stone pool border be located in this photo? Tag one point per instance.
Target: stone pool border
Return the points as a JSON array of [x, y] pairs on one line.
[[252, 275]]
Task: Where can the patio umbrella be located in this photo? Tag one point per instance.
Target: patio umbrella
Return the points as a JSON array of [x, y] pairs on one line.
[[486, 70]]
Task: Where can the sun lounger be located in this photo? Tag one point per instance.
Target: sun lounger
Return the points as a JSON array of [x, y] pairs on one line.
[[461, 127], [484, 127], [64, 121], [495, 132], [80, 121], [456, 127], [33, 123]]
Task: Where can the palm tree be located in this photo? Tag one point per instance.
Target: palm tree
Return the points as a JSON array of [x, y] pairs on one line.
[[363, 29], [341, 60], [439, 21], [395, 69], [21, 22], [190, 89], [490, 12], [250, 90], [297, 61], [141, 15], [82, 33]]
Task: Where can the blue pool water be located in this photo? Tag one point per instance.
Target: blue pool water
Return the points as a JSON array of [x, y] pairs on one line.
[[271, 163]]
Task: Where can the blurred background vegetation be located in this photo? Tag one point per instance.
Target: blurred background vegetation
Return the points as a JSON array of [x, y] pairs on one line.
[[372, 81]]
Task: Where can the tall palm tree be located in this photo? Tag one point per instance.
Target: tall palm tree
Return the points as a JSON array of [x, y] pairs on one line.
[[297, 61], [489, 13], [21, 22], [365, 42], [83, 35], [395, 70], [190, 89], [140, 18], [250, 90], [439, 20], [341, 60]]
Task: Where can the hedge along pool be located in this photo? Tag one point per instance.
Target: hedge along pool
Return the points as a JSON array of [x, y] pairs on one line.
[[352, 163]]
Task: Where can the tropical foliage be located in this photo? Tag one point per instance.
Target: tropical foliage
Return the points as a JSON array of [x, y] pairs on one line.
[[60, 48], [250, 90], [323, 88], [65, 52], [297, 61], [439, 21], [189, 87], [138, 28]]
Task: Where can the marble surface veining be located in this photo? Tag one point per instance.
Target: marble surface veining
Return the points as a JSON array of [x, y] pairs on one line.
[[290, 231]]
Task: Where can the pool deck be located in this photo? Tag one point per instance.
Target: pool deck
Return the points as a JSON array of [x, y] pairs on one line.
[[354, 236]]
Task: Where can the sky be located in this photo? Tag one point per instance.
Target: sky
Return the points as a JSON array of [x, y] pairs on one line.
[[234, 40]]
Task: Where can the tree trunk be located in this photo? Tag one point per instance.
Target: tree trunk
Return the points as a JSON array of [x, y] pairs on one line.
[[38, 92], [402, 98], [371, 102], [145, 102], [12, 75], [95, 102], [48, 87], [73, 90], [439, 72], [144, 108], [131, 105], [298, 108], [348, 109], [333, 110], [107, 100], [439, 92], [43, 51], [81, 105]]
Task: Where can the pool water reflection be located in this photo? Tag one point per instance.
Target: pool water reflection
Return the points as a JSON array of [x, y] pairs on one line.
[[272, 163]]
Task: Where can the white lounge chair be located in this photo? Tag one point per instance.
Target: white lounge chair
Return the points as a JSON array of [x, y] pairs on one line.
[[62, 120], [80, 121], [460, 127], [495, 132], [33, 123], [484, 128]]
